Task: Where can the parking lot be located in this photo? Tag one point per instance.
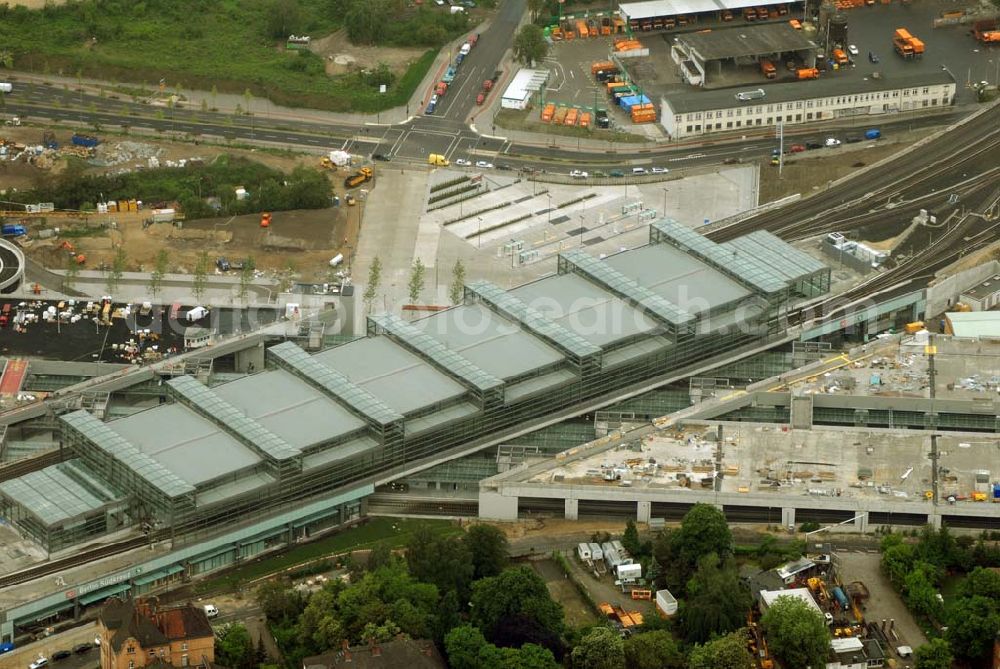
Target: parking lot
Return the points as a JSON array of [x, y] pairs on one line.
[[870, 29]]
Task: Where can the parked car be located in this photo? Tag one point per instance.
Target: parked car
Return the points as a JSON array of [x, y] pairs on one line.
[[82, 648], [462, 162], [797, 148], [853, 50], [853, 139], [505, 167], [223, 264], [578, 174], [61, 655], [39, 663], [659, 170], [617, 173], [482, 164], [211, 611], [638, 171], [873, 57], [832, 142], [6, 647], [813, 145], [381, 156]]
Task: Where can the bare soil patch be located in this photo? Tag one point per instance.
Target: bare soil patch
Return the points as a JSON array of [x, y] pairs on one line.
[[342, 57]]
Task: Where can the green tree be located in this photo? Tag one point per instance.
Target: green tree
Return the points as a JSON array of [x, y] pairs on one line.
[[897, 562], [530, 46], [160, 266], [457, 282], [727, 652], [234, 647], [704, 530], [630, 539], [601, 648], [796, 634], [717, 602], [445, 561], [515, 607], [535, 7], [416, 283], [489, 550], [283, 18], [374, 279], [379, 556], [200, 281], [981, 582], [319, 628], [972, 626], [935, 654], [653, 650], [118, 263], [280, 602], [921, 595], [247, 276], [72, 271], [463, 646]]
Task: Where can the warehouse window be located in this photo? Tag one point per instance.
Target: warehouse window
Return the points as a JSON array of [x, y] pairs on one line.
[[729, 124], [689, 128], [809, 116], [729, 112], [798, 117]]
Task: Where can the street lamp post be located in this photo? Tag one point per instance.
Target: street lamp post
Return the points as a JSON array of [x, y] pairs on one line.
[[479, 234], [665, 191]]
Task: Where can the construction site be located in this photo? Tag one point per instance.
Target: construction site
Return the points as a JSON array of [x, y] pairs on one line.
[[886, 435]]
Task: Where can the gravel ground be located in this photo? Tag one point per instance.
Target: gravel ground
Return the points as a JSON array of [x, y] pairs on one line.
[[884, 602]]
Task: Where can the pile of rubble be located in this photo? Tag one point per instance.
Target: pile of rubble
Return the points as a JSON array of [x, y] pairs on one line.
[[108, 155]]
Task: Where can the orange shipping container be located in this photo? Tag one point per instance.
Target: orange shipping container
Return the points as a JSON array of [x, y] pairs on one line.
[[601, 65], [560, 115], [902, 33], [585, 120], [547, 113], [581, 27], [571, 116], [918, 45]]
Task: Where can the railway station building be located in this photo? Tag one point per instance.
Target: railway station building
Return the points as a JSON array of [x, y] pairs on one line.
[[697, 113], [212, 456]]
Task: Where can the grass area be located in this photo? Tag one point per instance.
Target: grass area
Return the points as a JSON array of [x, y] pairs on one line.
[[394, 532], [230, 46], [527, 121]]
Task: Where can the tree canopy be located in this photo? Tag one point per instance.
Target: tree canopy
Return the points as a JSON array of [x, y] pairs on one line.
[[653, 650], [600, 648], [514, 608], [717, 602], [467, 648], [796, 633], [489, 549], [972, 626], [703, 530], [530, 47], [444, 561], [935, 654], [727, 652]]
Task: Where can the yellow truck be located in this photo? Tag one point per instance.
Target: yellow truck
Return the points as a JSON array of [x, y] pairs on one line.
[[438, 160]]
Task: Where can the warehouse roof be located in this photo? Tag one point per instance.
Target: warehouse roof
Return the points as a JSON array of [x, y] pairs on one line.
[[690, 100], [659, 8], [192, 447], [489, 341], [678, 277], [401, 379], [61, 492], [746, 40], [974, 323], [290, 408]]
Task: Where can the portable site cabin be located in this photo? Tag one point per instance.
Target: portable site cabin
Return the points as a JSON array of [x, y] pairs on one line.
[[611, 558], [595, 552], [583, 552], [666, 603], [629, 572], [617, 545]]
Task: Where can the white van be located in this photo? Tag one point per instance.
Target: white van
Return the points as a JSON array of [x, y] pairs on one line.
[[637, 171], [211, 611]]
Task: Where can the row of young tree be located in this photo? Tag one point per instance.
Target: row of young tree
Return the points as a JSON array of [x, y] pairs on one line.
[[115, 270], [415, 284], [970, 619]]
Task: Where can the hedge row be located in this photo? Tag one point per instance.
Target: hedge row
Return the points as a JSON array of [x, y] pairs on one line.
[[448, 184], [477, 213]]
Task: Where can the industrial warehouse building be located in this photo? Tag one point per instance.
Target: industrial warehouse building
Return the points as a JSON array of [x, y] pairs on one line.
[[666, 14], [697, 113], [700, 54], [524, 88]]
